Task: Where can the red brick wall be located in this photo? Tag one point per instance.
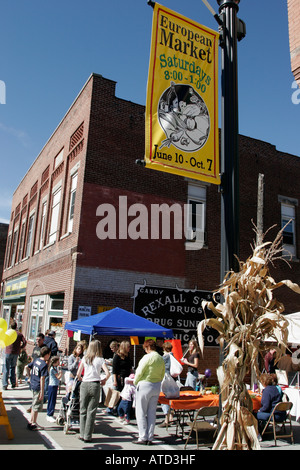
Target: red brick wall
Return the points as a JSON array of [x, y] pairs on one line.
[[112, 140], [294, 36]]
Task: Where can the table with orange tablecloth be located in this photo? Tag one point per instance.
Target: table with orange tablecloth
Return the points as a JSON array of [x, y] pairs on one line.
[[189, 400], [192, 400], [186, 404]]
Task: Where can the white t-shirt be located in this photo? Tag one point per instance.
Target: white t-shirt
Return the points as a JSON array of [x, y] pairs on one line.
[[92, 372]]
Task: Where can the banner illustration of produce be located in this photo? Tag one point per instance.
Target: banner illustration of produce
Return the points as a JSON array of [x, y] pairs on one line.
[[182, 98]]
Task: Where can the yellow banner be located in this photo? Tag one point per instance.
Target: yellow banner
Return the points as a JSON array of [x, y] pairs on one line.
[[182, 98]]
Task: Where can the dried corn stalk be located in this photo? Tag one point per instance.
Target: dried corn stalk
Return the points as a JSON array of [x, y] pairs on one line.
[[248, 315]]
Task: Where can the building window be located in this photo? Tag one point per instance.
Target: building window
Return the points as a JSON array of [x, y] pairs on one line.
[[288, 216], [36, 317], [43, 223], [72, 201], [58, 159], [7, 254], [14, 247], [54, 319], [29, 236], [195, 217], [54, 215], [21, 244]]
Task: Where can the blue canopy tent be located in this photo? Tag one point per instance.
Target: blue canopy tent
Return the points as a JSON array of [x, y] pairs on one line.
[[118, 322]]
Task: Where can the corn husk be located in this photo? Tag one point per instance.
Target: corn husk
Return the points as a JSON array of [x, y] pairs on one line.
[[248, 316]]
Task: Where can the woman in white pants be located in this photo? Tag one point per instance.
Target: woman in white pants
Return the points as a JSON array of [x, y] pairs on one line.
[[148, 378]]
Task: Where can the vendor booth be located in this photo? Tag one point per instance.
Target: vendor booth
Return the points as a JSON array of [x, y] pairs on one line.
[[293, 328], [118, 322], [288, 374]]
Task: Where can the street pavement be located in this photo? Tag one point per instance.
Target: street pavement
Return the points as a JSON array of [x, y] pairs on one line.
[[110, 436]]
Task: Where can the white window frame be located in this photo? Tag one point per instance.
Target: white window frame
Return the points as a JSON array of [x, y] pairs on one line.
[[7, 252], [195, 228], [43, 223], [55, 212], [58, 159], [288, 216], [73, 189], [14, 246], [29, 234], [22, 240]]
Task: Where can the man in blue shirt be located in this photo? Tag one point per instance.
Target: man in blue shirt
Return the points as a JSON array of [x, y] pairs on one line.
[[39, 372]]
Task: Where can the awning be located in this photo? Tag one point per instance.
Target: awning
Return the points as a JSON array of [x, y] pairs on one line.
[[14, 300]]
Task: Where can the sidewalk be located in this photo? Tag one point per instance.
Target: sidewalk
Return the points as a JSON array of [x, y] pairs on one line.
[[109, 434]]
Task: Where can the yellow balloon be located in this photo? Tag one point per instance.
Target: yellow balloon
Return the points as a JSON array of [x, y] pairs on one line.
[[2, 334], [2, 344], [10, 337], [3, 324]]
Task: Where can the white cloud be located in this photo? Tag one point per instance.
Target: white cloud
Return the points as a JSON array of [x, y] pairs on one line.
[[20, 135]]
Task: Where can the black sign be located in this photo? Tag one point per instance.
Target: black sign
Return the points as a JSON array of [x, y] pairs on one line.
[[177, 309]]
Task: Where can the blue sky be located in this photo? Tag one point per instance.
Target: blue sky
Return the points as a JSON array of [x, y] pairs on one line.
[[48, 50]]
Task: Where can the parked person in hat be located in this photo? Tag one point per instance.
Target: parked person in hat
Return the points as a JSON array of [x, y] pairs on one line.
[[39, 372], [92, 363], [192, 362], [10, 358], [148, 378]]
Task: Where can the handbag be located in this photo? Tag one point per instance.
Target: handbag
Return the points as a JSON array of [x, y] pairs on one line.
[[112, 398], [169, 387], [175, 366]]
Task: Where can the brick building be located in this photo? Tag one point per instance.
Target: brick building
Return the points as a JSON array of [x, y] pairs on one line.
[[85, 182], [294, 36], [3, 238]]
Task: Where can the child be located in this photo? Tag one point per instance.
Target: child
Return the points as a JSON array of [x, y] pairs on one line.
[[22, 361], [55, 376], [39, 372], [128, 400]]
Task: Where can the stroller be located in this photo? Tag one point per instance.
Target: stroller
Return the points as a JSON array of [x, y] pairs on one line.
[[68, 415]]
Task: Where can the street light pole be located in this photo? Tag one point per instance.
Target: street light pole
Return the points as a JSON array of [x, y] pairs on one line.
[[232, 29]]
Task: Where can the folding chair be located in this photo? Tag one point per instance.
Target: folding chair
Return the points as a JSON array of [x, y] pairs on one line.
[[201, 424], [281, 406]]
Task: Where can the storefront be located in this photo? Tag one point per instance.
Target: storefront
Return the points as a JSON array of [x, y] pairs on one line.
[[14, 295], [46, 313]]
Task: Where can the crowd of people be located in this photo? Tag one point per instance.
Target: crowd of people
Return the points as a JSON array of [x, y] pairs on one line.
[[138, 389]]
